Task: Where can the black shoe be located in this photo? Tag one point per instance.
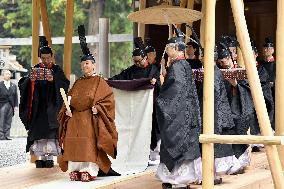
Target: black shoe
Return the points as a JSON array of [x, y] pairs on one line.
[[40, 164], [255, 149], [241, 171], [216, 181], [7, 138], [111, 172], [168, 185], [49, 163]]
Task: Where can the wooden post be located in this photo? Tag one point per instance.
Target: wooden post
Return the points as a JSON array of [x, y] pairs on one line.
[[240, 58], [141, 27], [35, 43], [104, 64], [208, 99], [190, 5], [279, 101], [45, 22], [257, 94], [202, 32], [67, 59], [35, 31]]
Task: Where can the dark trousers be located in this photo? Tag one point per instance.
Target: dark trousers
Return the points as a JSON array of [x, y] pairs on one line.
[[6, 115]]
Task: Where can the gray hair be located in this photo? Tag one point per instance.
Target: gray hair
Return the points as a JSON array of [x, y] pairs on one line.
[[5, 71]]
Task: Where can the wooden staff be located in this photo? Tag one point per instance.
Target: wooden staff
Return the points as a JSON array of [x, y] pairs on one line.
[[67, 59], [279, 109], [257, 94], [208, 99]]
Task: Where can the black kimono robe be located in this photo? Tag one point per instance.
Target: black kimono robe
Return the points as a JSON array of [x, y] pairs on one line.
[[223, 117], [178, 116], [194, 63], [268, 97], [242, 107], [270, 67], [135, 72], [40, 103]]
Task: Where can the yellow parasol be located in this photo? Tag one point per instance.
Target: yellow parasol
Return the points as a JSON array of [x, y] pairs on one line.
[[165, 15]]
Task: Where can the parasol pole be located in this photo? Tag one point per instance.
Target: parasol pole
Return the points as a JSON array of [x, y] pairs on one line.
[[170, 25], [141, 27], [190, 5], [182, 5]]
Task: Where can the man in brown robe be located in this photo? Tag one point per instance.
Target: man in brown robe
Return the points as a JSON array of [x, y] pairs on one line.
[[87, 133]]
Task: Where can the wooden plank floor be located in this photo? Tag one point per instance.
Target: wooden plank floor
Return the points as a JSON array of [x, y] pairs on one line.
[[257, 176]]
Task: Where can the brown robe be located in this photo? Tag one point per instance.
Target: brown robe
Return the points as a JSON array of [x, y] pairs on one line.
[[86, 137]]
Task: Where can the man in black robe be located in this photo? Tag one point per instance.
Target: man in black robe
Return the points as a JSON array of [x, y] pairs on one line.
[[141, 67], [268, 61], [268, 97], [40, 103], [223, 121], [192, 52], [240, 99], [8, 103], [232, 44], [178, 116], [155, 133], [269, 64]]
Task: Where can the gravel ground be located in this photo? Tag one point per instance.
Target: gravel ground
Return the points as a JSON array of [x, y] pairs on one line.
[[12, 152]]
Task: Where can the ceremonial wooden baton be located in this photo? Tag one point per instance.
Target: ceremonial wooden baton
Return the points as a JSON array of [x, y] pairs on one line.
[[62, 92]]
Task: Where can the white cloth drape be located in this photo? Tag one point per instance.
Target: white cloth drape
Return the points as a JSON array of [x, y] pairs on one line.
[[133, 119]]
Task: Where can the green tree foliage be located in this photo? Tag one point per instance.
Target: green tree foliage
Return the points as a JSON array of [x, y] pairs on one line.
[[16, 21], [120, 53]]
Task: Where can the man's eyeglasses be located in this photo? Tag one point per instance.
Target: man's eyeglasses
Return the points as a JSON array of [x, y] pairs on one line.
[[268, 48], [137, 61]]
